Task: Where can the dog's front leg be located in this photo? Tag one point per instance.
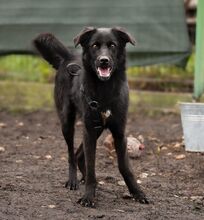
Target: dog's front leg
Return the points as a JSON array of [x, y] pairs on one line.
[[89, 145], [123, 164]]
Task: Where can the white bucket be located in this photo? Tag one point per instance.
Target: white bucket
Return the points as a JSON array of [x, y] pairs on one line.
[[192, 118]]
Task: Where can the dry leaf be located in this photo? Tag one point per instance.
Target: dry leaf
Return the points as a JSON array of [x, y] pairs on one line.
[[2, 125], [2, 149], [154, 139], [152, 174], [19, 161], [51, 206], [49, 157], [109, 143], [194, 198], [143, 175], [120, 210], [180, 156], [63, 158], [164, 148], [20, 124], [36, 157], [79, 123], [19, 177], [177, 145], [110, 157], [101, 182]]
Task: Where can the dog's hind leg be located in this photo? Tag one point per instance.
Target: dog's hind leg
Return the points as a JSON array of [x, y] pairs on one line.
[[123, 164], [68, 133], [81, 162], [81, 159]]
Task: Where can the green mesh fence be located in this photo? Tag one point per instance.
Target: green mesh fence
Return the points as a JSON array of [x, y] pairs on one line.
[[159, 26]]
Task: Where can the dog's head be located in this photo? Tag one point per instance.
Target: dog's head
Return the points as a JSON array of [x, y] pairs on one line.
[[103, 48]]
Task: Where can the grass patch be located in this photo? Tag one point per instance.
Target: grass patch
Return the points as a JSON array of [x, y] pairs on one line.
[[29, 96], [164, 71], [25, 68], [22, 96], [34, 69]]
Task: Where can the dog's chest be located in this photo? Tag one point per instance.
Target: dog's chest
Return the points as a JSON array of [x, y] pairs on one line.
[[105, 115]]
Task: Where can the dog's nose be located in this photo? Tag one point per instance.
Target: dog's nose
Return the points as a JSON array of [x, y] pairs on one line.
[[104, 60]]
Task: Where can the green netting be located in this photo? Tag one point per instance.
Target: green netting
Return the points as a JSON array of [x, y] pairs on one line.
[[158, 25]]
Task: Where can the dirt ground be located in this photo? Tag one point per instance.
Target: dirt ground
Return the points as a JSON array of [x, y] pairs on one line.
[[33, 172]]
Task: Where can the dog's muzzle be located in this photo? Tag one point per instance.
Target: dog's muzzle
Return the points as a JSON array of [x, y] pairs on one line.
[[104, 67]]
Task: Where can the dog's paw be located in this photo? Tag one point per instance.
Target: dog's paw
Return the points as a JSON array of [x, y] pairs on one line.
[[141, 198], [72, 184], [86, 202]]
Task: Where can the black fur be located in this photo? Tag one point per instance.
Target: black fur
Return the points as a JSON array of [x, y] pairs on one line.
[[101, 79]]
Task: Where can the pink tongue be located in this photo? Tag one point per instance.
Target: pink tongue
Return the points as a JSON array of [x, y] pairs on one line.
[[104, 72]]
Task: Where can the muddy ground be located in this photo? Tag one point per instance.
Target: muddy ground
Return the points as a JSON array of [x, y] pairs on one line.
[[33, 172]]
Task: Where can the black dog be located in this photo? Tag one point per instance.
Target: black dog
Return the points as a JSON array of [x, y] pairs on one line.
[[95, 86]]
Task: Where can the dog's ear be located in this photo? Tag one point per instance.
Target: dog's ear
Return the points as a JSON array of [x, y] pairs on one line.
[[83, 37], [124, 35], [51, 49]]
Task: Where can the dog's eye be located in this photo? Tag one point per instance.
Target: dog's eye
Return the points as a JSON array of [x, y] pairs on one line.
[[112, 45], [95, 46]]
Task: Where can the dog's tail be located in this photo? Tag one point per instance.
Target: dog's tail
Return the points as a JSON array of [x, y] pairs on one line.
[[51, 49]]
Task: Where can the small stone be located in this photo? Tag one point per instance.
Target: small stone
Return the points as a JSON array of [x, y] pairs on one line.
[[135, 146], [121, 183], [126, 196], [19, 161], [169, 154]]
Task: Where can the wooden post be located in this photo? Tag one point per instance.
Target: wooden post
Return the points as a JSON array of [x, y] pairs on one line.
[[199, 57]]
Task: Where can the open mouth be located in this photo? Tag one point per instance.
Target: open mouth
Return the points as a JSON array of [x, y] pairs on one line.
[[104, 72]]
